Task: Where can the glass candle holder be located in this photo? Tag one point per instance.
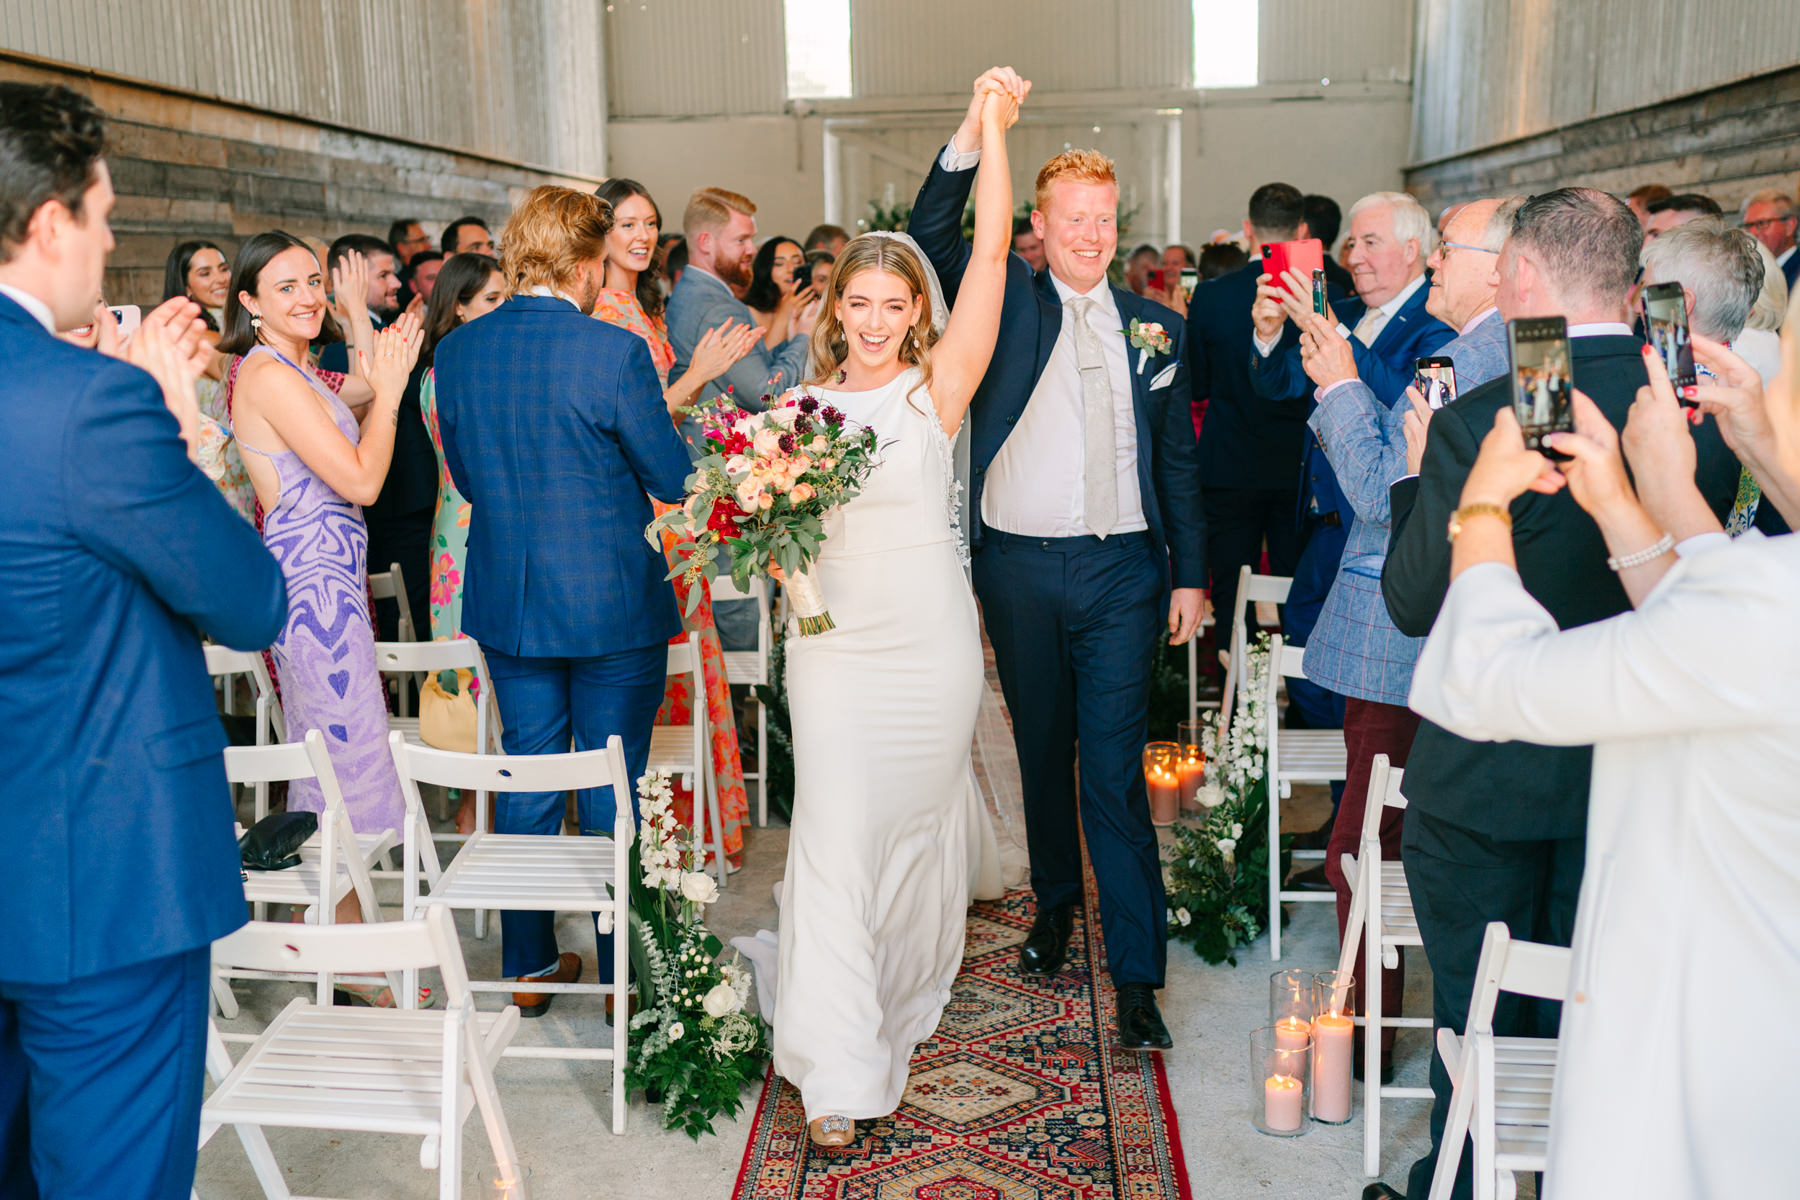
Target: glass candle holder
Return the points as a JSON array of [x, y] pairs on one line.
[[1334, 1045], [1291, 995], [1278, 1084], [503, 1181], [1190, 765], [1162, 782]]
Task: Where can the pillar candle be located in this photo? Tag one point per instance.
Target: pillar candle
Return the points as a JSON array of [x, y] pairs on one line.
[[1190, 770], [1291, 1033], [1165, 796], [1281, 1102], [1333, 1038]]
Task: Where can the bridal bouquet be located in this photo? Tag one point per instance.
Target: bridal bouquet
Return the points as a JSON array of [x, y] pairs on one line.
[[693, 1042], [760, 494]]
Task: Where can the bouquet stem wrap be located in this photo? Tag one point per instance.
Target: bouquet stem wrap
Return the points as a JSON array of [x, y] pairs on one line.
[[808, 599]]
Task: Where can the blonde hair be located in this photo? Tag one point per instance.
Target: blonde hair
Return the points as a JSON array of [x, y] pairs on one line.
[[710, 208], [550, 235], [1080, 166], [872, 253]]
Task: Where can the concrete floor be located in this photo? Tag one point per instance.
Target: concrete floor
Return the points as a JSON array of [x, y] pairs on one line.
[[559, 1111]]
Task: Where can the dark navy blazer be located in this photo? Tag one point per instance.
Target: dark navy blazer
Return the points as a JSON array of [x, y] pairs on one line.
[[1030, 320], [116, 555], [554, 428], [1247, 441]]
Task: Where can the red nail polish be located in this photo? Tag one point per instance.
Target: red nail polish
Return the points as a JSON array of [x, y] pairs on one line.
[[1690, 390]]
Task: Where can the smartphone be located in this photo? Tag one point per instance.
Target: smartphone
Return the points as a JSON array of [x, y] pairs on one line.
[[1665, 324], [1436, 380], [1157, 280], [1543, 379], [1301, 257], [129, 317], [1319, 291], [1190, 279], [802, 275]]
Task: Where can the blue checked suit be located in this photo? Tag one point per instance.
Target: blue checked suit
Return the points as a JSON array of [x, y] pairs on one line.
[[1355, 650]]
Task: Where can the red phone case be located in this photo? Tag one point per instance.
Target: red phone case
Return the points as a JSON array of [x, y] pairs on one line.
[[1157, 280], [1304, 257]]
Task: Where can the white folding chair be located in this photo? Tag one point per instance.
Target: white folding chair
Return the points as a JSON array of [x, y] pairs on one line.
[[400, 1071], [1501, 1085], [686, 750], [391, 585], [529, 872], [1252, 589], [334, 861], [751, 667], [1381, 915], [271, 728], [1295, 756], [419, 659]]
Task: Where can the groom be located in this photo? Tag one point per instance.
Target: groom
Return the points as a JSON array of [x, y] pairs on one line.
[[1085, 477]]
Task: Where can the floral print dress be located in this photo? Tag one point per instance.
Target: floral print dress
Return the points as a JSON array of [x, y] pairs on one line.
[[449, 530], [619, 307]]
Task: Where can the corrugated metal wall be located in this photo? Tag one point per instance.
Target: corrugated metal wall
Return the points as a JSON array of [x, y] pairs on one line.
[[1494, 70], [695, 57], [935, 47], [518, 80], [1301, 41]]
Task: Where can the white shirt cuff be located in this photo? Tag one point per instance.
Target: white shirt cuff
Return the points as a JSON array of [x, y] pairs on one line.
[[1700, 543], [953, 159], [1343, 331], [1264, 348], [1330, 388]]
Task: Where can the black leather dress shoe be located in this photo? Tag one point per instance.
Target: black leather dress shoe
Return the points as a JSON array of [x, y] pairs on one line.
[[1381, 1191], [1047, 945], [1140, 1024]]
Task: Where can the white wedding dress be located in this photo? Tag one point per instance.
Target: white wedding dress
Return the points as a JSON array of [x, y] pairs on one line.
[[889, 838]]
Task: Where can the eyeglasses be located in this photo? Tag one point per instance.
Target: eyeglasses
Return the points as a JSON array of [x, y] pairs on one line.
[[1768, 221], [1466, 246]]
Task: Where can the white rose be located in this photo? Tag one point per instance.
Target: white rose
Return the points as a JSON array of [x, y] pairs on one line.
[[1237, 829], [719, 1002], [1183, 915], [701, 889], [1227, 845], [676, 1030]]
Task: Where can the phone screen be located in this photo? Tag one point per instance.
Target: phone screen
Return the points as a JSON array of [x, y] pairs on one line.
[[1319, 291], [1543, 379], [1436, 380], [1190, 279], [1665, 324]]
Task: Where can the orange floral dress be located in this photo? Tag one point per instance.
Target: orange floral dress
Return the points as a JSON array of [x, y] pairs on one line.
[[619, 307]]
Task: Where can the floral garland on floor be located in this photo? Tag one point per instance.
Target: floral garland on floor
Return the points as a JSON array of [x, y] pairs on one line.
[[1217, 872], [693, 1043]]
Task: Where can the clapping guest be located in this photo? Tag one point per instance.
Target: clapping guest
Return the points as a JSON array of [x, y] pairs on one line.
[[780, 288], [1692, 901], [198, 270], [554, 429]]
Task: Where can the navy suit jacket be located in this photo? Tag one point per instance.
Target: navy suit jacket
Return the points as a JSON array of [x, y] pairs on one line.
[[1246, 441], [1790, 270], [554, 428], [1030, 320], [116, 555]]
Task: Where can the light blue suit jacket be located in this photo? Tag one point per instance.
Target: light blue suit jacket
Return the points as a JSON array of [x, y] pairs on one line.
[[1355, 649], [701, 302]]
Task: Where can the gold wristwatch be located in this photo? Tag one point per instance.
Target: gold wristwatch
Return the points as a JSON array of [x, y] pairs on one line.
[[1477, 510]]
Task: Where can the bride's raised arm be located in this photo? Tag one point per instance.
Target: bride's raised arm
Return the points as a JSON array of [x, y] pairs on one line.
[[960, 358]]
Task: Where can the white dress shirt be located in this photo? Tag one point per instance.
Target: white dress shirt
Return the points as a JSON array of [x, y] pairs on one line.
[[1035, 485], [31, 304]]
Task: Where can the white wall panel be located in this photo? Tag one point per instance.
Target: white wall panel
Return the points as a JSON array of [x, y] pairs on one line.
[[518, 80], [695, 57], [1308, 40]]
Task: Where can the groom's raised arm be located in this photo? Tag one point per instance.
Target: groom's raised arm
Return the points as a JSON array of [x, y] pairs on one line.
[[936, 221]]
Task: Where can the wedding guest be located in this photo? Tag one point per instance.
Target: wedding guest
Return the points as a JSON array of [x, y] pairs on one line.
[[115, 833], [1355, 650], [1757, 343], [408, 239], [1769, 215], [1027, 244], [830, 238], [675, 260], [632, 300], [1221, 258], [1323, 220], [422, 274], [780, 287], [1143, 260], [1643, 196], [819, 263], [198, 271], [1672, 212], [467, 235], [379, 295], [1497, 832], [720, 228], [316, 456], [1694, 754], [554, 429], [1176, 259]]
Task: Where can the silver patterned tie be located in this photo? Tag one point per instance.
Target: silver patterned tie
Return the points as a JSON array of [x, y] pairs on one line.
[[1100, 465]]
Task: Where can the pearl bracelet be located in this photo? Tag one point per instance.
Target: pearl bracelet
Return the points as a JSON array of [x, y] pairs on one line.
[[1650, 553]]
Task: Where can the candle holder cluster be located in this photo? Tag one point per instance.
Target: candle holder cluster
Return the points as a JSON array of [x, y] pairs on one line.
[[1300, 1063], [1173, 772]]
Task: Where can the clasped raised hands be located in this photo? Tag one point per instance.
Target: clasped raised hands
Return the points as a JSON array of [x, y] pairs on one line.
[[396, 350], [1007, 90]]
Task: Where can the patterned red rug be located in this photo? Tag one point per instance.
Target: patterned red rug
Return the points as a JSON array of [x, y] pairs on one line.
[[1023, 1094]]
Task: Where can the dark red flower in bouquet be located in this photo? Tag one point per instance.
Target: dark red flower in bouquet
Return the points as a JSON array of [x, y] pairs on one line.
[[832, 416], [802, 426], [724, 516], [736, 443], [787, 443], [809, 405]]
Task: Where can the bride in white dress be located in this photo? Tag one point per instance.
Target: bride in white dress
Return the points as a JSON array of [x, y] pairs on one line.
[[889, 839]]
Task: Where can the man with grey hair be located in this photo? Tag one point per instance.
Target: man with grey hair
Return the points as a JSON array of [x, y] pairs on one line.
[[1719, 271], [1770, 217], [1498, 831]]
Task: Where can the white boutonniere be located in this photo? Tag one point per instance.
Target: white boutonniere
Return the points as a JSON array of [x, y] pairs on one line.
[[1150, 339]]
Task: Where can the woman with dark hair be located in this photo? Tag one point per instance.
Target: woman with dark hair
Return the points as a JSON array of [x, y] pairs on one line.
[[198, 270], [819, 263], [632, 300], [780, 286], [315, 457]]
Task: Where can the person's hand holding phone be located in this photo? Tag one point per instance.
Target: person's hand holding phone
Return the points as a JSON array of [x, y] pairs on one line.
[[1296, 298], [1734, 397], [1415, 425], [1324, 353], [1268, 314], [1659, 444]]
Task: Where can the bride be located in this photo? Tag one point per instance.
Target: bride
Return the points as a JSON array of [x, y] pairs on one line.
[[889, 837]]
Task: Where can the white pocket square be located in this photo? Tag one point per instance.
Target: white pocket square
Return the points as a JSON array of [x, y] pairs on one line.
[[1164, 377]]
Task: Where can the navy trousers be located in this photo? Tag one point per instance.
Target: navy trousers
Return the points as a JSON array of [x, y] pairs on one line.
[[100, 1082], [1073, 623], [545, 704]]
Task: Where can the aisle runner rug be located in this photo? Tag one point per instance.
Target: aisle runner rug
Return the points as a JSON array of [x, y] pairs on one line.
[[1023, 1094]]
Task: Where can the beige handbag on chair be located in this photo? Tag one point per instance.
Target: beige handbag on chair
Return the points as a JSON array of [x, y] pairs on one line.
[[447, 720]]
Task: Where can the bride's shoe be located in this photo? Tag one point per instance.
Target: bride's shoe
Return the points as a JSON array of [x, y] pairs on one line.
[[832, 1131]]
